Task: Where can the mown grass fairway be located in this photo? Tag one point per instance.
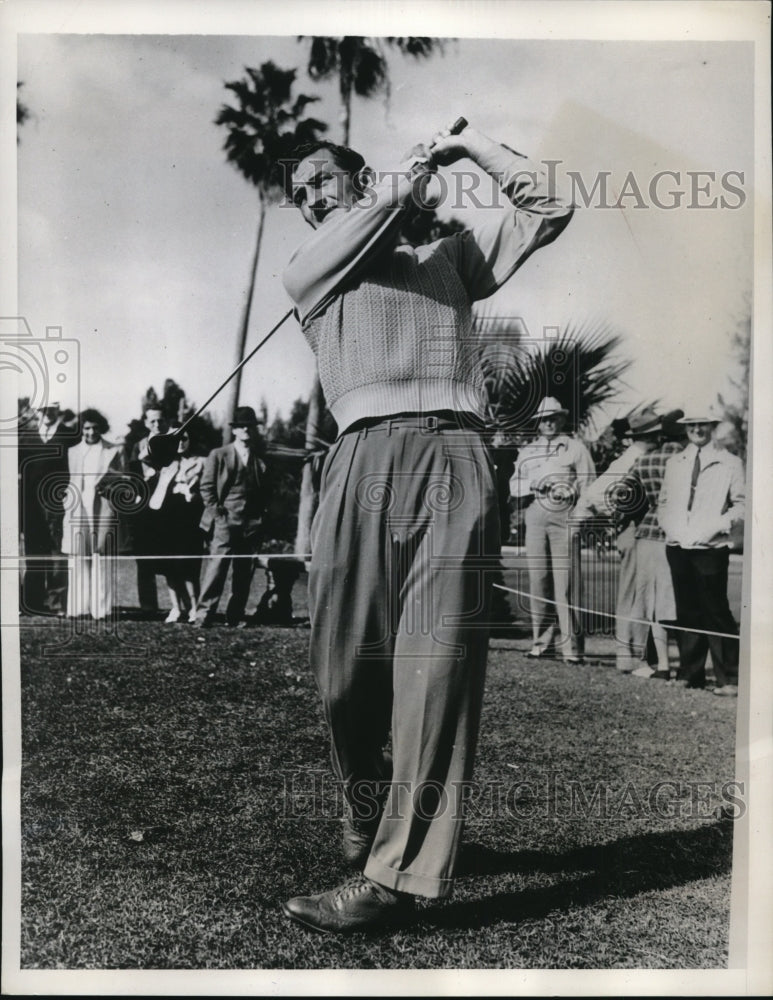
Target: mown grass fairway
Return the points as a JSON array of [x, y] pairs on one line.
[[160, 832]]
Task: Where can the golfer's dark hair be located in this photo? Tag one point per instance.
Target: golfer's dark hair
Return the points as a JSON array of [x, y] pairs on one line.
[[92, 416], [347, 159]]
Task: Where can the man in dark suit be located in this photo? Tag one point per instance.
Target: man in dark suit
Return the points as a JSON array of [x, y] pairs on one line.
[[43, 478], [145, 472], [235, 491]]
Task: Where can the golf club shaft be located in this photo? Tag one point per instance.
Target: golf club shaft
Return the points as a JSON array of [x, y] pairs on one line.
[[233, 374], [455, 129]]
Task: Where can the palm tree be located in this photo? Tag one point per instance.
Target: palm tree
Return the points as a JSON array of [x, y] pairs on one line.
[[361, 67], [263, 129], [578, 367]]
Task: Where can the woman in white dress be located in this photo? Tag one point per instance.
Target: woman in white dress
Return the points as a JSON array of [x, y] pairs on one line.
[[90, 526]]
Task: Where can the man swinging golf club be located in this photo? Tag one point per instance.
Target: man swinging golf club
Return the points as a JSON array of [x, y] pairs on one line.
[[407, 533]]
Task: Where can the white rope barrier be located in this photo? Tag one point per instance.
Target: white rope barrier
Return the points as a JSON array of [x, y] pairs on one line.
[[159, 558], [607, 614], [264, 557]]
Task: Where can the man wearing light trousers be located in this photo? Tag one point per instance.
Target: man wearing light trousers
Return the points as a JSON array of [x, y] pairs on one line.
[[406, 538]]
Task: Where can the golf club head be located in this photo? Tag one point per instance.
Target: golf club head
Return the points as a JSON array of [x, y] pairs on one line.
[[163, 447]]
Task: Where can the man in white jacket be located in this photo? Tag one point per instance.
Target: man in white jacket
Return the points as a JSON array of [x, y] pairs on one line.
[[702, 498]]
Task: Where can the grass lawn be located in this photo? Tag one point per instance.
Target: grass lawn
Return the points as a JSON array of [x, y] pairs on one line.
[[172, 798]]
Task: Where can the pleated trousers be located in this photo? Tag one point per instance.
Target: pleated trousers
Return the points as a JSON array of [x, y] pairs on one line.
[[405, 544], [549, 554], [630, 636]]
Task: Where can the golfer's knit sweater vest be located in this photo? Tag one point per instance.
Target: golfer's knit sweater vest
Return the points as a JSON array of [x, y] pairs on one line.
[[399, 341], [391, 327]]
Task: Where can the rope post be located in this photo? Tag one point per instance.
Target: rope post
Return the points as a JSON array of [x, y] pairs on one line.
[[576, 584]]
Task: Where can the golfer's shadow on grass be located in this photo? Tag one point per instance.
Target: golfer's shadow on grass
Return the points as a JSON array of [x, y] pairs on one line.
[[621, 869]]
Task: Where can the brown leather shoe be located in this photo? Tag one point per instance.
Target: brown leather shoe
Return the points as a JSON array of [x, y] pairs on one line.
[[356, 905]]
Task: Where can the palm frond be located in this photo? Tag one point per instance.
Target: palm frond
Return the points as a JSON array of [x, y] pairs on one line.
[[577, 366], [22, 111], [265, 125], [369, 70], [359, 62], [419, 48], [323, 56]]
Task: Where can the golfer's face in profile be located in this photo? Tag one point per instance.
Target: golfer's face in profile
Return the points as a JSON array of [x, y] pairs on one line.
[[321, 188]]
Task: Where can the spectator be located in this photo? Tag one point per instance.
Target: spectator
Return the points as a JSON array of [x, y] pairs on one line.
[[235, 491], [69, 421], [90, 527], [702, 498], [609, 497], [146, 470], [31, 596], [610, 444], [654, 588], [553, 471], [504, 452], [43, 444], [175, 510]]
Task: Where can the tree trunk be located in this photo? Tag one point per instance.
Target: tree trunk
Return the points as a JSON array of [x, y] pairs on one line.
[[235, 385], [309, 496], [346, 110]]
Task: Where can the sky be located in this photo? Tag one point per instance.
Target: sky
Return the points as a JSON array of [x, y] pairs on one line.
[[135, 236]]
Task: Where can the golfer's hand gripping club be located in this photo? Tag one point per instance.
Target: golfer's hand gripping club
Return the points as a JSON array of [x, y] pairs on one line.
[[458, 126], [163, 447], [420, 153]]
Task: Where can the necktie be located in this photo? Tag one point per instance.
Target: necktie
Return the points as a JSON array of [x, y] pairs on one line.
[[696, 471]]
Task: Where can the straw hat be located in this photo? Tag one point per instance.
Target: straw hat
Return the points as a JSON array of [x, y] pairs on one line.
[[549, 407], [701, 415]]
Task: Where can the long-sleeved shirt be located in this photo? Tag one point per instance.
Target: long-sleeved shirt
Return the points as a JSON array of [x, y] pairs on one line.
[[391, 326], [647, 475], [718, 502], [551, 465], [600, 496]]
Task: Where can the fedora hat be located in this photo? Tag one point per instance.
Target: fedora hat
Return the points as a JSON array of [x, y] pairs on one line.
[[549, 407], [671, 420], [620, 427], [644, 422], [244, 416]]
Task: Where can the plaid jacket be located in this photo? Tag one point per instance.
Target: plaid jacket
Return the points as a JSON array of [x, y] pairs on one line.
[[647, 477]]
